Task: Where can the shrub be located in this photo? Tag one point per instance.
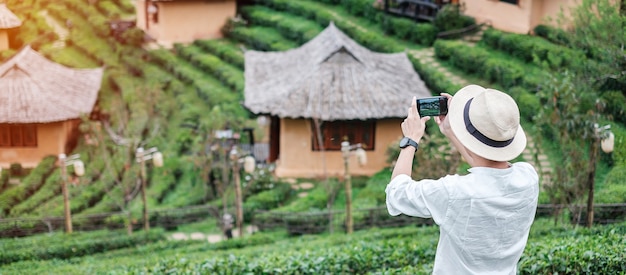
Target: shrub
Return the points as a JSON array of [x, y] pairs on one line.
[[552, 34], [615, 105], [16, 170], [267, 200], [75, 245], [614, 190], [451, 18], [528, 103], [436, 81], [616, 177], [533, 49], [30, 184]]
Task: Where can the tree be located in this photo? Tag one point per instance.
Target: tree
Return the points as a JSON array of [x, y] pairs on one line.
[[134, 120], [572, 97], [568, 117]]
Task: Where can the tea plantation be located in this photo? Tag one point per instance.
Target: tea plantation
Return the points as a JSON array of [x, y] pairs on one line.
[[173, 98]]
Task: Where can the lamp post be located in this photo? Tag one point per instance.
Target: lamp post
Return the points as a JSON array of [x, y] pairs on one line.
[[157, 159], [79, 170], [347, 151], [605, 138], [248, 164]]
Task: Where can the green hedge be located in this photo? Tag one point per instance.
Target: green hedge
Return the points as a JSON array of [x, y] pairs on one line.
[[615, 105], [228, 75], [597, 251], [291, 27], [224, 49], [436, 81], [28, 186], [50, 189], [363, 10], [261, 38], [77, 244], [374, 40], [533, 49], [268, 200], [479, 61], [552, 34]]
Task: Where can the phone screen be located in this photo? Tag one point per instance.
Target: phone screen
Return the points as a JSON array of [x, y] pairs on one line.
[[432, 106]]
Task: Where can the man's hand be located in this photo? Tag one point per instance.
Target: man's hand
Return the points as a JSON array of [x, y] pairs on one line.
[[414, 126], [443, 122]]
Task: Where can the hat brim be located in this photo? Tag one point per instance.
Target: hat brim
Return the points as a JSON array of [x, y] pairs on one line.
[[457, 123]]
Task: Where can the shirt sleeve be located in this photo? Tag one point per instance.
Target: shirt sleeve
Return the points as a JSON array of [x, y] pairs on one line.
[[425, 198]]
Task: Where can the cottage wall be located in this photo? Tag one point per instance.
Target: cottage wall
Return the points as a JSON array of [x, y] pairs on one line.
[[297, 159], [520, 18], [185, 21], [4, 40], [51, 140]]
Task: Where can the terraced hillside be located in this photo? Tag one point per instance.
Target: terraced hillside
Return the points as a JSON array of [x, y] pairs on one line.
[[175, 98]]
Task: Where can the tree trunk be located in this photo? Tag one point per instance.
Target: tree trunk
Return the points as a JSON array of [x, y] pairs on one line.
[[591, 179]]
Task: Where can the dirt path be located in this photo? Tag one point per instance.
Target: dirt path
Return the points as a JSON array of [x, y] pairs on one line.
[[211, 238]]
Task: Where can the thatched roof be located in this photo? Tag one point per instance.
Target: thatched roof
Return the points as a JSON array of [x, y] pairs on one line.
[[7, 18], [331, 78], [34, 89]]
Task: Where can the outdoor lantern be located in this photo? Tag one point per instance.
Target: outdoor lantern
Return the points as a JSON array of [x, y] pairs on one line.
[[157, 159], [361, 156], [608, 143], [79, 168], [248, 164]]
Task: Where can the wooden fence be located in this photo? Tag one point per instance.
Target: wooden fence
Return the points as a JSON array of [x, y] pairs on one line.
[[295, 223]]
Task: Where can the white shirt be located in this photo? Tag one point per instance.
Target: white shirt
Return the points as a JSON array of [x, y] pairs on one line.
[[484, 217]]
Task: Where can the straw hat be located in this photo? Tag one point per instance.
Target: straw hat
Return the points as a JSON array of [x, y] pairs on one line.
[[487, 122]]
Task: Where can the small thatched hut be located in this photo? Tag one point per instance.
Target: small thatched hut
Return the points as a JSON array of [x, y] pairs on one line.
[[40, 106], [349, 91], [8, 21]]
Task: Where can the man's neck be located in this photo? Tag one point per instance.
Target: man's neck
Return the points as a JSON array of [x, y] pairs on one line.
[[481, 162]]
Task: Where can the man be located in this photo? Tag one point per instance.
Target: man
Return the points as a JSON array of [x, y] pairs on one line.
[[484, 216]]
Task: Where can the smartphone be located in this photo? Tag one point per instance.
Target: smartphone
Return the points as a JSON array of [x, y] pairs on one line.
[[432, 106]]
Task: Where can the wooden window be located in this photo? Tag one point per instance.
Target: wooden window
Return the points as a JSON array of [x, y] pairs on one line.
[[355, 131], [18, 135]]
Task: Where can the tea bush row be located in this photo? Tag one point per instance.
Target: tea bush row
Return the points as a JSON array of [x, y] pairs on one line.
[[75, 246], [291, 27], [28, 186], [224, 49], [228, 75], [478, 61], [50, 189], [208, 89], [533, 49], [261, 38], [402, 28], [375, 41]]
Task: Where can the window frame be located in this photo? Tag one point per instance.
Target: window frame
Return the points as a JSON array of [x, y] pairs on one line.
[[18, 135], [357, 131]]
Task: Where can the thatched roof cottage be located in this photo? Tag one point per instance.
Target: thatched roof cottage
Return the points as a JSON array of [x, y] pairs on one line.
[[8, 20], [41, 103], [350, 91]]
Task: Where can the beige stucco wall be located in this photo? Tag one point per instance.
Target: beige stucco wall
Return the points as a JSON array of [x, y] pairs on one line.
[[520, 18], [185, 21], [51, 139], [298, 160], [4, 40]]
